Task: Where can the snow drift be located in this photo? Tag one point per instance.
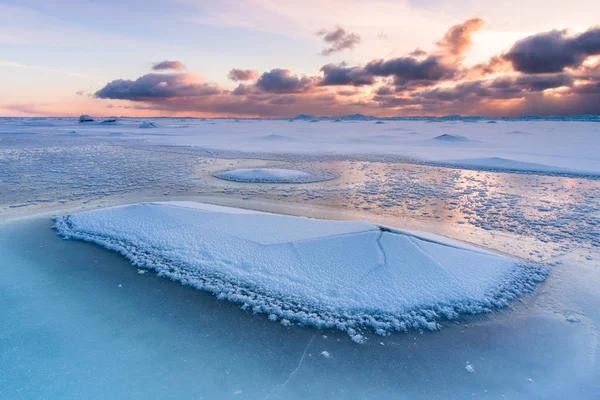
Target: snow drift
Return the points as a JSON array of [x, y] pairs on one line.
[[345, 275]]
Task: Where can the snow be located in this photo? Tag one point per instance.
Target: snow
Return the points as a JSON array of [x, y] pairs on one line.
[[344, 275], [451, 138], [70, 133], [146, 125], [542, 144], [86, 118], [498, 163], [274, 175]]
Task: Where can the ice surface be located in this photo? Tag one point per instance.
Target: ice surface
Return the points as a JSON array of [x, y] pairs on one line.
[[274, 175], [345, 275], [498, 163], [69, 133], [555, 145]]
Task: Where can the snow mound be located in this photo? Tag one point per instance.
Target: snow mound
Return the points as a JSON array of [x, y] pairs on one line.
[[451, 138], [274, 175], [329, 274], [86, 118], [276, 137], [147, 125]]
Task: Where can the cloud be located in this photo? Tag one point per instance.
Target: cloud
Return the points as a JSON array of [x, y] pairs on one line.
[[502, 88], [242, 75], [430, 83], [168, 65], [338, 40], [156, 86], [6, 63], [417, 53], [30, 109], [553, 51], [458, 38], [340, 75], [407, 70], [282, 81]]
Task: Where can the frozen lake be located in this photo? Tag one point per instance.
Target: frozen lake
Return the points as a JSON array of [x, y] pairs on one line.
[[78, 321]]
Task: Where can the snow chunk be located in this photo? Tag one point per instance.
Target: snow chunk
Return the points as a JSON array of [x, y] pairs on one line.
[[274, 175], [329, 274], [147, 125], [86, 118]]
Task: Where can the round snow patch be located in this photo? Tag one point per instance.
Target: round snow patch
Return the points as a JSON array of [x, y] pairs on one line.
[[274, 175]]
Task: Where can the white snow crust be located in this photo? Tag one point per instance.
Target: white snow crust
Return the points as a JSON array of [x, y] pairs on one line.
[[329, 274], [274, 175]]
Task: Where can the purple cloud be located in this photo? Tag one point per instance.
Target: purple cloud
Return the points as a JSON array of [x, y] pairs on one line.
[[168, 65], [242, 75], [340, 75], [154, 86], [282, 81], [553, 51], [543, 70], [338, 40]]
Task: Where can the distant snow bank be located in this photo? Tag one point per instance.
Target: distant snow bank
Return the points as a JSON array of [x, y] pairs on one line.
[[274, 175], [329, 274], [548, 145]]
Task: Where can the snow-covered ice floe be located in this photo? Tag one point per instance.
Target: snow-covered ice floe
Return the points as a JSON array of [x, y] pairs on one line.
[[330, 274], [275, 175]]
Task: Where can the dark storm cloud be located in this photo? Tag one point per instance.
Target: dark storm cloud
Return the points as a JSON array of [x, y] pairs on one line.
[[553, 51], [166, 65], [338, 40]]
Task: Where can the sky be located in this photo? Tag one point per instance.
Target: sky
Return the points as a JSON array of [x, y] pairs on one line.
[[280, 58]]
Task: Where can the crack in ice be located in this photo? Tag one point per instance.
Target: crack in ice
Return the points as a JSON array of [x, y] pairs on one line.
[[281, 386], [382, 254]]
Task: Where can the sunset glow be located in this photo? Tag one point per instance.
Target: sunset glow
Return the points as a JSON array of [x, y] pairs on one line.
[[280, 59]]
